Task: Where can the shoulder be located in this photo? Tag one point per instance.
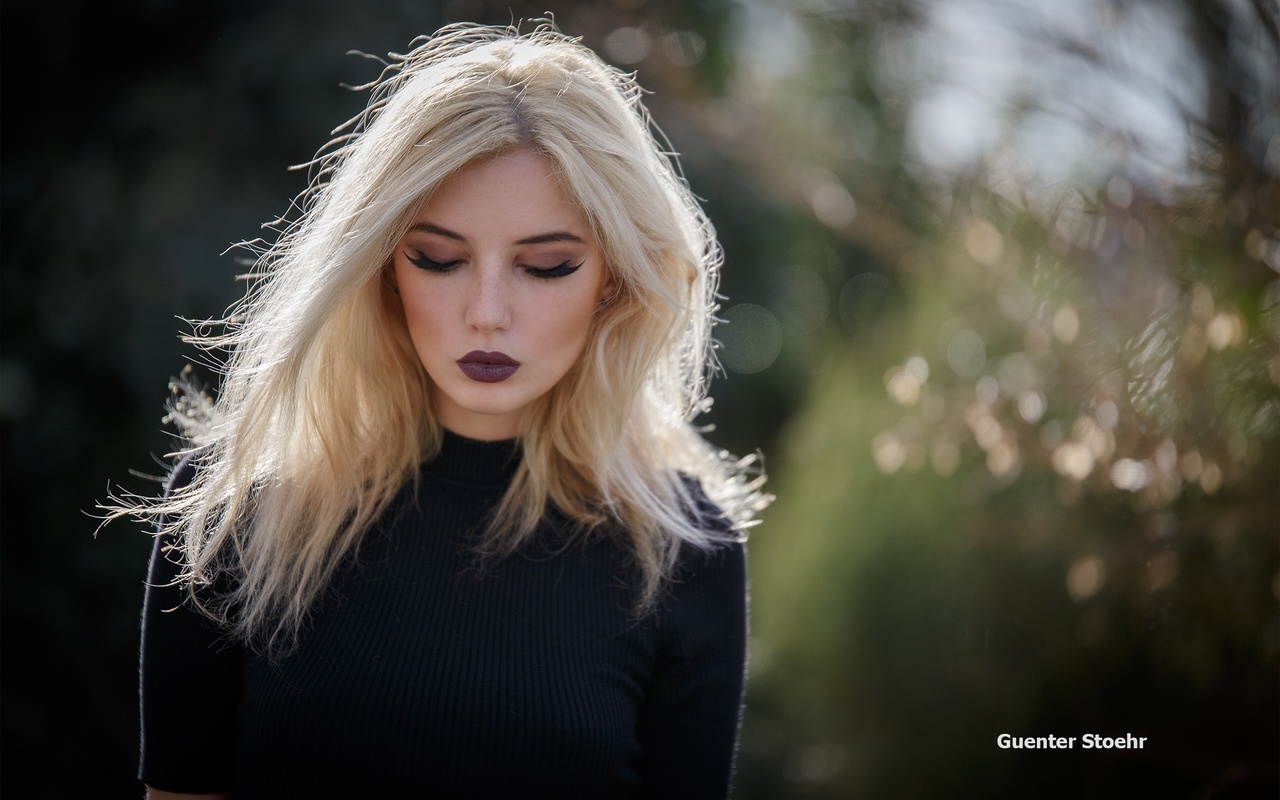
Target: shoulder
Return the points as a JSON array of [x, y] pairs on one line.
[[719, 566], [723, 546], [704, 513], [167, 561], [714, 570], [183, 472]]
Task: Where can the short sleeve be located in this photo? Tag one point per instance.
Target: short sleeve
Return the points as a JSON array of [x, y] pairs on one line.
[[189, 681], [691, 717]]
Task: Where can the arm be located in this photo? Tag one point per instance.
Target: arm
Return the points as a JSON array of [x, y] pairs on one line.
[[689, 723], [189, 683]]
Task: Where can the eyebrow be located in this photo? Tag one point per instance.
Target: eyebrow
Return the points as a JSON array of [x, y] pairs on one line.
[[542, 238]]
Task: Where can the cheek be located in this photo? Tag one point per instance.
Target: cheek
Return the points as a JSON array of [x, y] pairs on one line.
[[424, 314], [568, 323]]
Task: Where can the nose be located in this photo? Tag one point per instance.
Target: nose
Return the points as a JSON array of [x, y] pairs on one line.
[[489, 305]]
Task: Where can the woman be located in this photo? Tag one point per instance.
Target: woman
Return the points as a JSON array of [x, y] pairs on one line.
[[447, 530]]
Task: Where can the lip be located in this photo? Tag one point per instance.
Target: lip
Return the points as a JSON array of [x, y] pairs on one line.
[[486, 367]]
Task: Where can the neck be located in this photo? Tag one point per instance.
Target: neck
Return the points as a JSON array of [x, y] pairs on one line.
[[473, 461]]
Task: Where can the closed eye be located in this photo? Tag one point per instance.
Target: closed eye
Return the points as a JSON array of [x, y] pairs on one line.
[[558, 271], [421, 261]]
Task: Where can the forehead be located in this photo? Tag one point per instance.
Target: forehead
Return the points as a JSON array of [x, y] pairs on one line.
[[510, 191]]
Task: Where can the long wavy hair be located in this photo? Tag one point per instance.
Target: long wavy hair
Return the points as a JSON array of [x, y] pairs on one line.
[[325, 409]]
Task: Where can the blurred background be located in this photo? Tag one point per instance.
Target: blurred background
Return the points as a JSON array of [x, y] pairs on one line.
[[1002, 316]]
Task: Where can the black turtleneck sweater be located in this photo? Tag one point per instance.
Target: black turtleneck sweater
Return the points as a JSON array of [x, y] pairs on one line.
[[419, 675]]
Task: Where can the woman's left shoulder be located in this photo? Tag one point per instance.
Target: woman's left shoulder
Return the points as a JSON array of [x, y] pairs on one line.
[[706, 514], [721, 556]]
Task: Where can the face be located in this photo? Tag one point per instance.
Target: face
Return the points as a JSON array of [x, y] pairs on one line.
[[499, 277]]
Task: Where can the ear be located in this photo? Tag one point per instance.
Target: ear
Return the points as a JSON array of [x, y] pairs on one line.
[[389, 278], [608, 287]]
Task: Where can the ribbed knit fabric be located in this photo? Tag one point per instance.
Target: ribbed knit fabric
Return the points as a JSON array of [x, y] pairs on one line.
[[422, 675]]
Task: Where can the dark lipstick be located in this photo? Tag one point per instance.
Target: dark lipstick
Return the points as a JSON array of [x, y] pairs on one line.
[[479, 365]]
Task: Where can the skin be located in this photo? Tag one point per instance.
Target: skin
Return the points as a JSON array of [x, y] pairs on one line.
[[467, 276]]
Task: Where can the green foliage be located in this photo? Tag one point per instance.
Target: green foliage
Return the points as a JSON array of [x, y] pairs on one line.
[[903, 621], [1033, 488]]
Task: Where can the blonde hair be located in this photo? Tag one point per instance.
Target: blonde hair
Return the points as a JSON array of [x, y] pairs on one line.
[[325, 409]]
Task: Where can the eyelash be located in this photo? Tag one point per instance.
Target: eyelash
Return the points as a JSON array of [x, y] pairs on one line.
[[422, 262], [558, 271]]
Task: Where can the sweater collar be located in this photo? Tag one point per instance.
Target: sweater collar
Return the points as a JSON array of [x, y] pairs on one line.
[[476, 463]]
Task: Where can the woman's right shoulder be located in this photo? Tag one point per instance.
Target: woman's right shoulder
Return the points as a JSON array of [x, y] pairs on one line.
[[181, 474], [184, 470]]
